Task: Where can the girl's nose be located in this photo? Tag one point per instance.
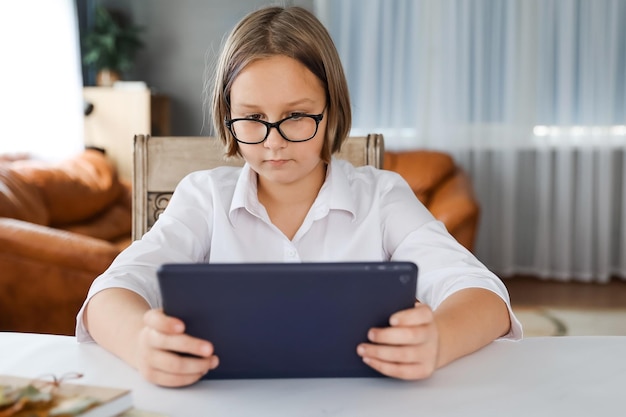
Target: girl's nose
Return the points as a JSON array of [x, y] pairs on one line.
[[274, 140]]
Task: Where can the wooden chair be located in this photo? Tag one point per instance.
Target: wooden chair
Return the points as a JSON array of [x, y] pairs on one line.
[[161, 162]]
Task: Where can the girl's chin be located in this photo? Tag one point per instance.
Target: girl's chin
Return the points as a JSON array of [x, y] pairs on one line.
[[277, 176]]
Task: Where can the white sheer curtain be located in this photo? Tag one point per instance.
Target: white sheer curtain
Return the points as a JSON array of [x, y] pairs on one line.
[[41, 105], [528, 95]]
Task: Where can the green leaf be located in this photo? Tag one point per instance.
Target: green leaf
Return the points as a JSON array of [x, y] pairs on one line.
[[110, 45]]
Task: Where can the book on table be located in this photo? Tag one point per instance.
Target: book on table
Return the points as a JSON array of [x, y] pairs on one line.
[[51, 396]]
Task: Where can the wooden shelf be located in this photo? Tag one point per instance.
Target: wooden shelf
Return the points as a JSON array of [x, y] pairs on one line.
[[120, 114]]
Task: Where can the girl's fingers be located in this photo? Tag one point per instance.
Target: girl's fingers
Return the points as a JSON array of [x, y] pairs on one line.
[[167, 356], [406, 350], [165, 379], [167, 333], [176, 364], [399, 335], [397, 354], [171, 370], [420, 314], [179, 343], [411, 371], [404, 362], [156, 319], [167, 367]]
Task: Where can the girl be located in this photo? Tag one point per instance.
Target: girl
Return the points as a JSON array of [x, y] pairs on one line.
[[280, 100]]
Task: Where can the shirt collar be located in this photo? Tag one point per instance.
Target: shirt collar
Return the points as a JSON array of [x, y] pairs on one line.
[[245, 194], [335, 193], [341, 195]]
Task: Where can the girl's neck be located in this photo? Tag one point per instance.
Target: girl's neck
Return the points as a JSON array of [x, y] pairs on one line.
[[288, 204]]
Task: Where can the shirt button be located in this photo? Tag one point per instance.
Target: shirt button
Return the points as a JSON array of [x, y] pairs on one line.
[[291, 253]]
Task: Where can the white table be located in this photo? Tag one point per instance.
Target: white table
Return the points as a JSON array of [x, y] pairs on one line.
[[566, 376]]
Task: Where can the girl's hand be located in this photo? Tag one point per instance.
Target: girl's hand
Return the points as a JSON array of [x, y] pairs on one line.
[[163, 349], [406, 350]]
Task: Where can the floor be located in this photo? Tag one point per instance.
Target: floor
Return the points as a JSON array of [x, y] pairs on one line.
[[553, 308], [530, 291]]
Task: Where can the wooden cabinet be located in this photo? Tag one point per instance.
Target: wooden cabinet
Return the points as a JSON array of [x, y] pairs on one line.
[[118, 115]]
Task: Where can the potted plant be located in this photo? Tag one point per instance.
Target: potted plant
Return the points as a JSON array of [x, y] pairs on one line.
[[110, 45]]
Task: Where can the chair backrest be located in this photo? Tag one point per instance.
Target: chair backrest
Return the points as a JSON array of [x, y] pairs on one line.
[[161, 162]]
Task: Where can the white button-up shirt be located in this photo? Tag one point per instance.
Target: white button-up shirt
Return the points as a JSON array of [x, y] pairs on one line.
[[360, 214]]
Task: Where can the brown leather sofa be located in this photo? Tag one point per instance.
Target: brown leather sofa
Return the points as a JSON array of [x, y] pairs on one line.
[[61, 225], [443, 187]]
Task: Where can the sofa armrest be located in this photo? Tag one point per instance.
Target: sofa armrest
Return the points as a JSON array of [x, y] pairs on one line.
[[453, 203], [45, 275], [56, 247]]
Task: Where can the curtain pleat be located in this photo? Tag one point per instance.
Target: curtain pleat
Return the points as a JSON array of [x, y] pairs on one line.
[[529, 96]]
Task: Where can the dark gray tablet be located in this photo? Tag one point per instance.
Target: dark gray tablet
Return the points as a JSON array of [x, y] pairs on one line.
[[287, 320]]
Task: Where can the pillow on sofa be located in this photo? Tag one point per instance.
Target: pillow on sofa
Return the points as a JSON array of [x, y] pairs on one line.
[[75, 189], [113, 224], [19, 199]]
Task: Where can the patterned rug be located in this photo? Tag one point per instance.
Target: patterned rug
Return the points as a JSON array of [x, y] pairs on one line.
[[550, 321]]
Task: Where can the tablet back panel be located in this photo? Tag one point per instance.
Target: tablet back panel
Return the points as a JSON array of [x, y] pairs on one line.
[[287, 320]]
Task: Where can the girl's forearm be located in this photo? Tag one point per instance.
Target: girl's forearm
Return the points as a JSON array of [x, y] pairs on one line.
[[469, 320], [114, 318]]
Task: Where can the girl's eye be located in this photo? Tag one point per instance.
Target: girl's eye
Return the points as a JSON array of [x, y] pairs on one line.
[[255, 116], [296, 116]]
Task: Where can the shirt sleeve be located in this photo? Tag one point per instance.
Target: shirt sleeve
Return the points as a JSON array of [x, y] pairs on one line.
[[444, 265], [179, 236]]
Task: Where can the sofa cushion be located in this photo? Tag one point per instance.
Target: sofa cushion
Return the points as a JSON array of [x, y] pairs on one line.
[[75, 189], [20, 199], [423, 170], [112, 224]]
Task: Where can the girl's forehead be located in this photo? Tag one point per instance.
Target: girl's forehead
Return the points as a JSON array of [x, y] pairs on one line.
[[276, 66], [277, 77]]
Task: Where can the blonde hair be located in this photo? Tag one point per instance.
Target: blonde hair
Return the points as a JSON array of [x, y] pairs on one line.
[[298, 34]]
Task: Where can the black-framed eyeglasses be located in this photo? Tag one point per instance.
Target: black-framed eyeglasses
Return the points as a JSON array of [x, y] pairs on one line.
[[298, 127]]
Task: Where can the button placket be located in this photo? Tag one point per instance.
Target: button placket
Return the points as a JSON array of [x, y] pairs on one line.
[[291, 253]]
